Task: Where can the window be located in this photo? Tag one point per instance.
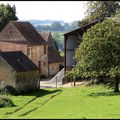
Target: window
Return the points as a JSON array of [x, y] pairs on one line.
[[29, 52], [38, 52], [44, 49]]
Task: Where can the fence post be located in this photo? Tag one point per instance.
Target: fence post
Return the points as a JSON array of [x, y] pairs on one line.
[[71, 81], [56, 81]]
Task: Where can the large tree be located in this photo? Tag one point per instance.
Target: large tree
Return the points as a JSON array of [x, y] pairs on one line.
[[99, 52], [7, 13], [99, 10]]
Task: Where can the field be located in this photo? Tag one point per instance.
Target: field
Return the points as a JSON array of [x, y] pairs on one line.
[[82, 102]]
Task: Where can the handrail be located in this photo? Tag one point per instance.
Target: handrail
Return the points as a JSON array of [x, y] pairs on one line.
[[59, 77]]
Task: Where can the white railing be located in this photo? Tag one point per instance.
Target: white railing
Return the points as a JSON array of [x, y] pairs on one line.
[[58, 78]]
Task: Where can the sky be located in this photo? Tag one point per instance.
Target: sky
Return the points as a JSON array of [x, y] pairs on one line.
[[53, 10]]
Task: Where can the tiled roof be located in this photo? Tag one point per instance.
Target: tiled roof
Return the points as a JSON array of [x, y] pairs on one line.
[[28, 32], [19, 61], [45, 35], [53, 55]]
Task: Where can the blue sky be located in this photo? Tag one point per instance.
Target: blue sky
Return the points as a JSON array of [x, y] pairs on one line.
[[54, 10]]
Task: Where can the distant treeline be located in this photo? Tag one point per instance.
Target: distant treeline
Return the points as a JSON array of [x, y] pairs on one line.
[[58, 37], [57, 27]]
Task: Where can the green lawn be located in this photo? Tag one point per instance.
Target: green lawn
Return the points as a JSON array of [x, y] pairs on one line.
[[78, 102]]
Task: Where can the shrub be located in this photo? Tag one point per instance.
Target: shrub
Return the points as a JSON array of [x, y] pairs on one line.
[[5, 102], [9, 90], [99, 51]]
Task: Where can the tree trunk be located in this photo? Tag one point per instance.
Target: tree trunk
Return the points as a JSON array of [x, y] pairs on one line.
[[74, 81], [116, 87]]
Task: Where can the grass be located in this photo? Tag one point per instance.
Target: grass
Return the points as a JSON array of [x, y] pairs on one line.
[[84, 102]]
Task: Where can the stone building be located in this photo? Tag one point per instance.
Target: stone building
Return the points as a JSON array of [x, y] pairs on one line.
[[47, 36], [55, 61], [22, 36], [18, 71]]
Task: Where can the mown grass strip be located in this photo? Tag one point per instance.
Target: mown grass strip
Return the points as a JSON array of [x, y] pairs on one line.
[[37, 95], [42, 104]]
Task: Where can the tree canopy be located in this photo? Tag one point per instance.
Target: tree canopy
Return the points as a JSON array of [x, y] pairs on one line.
[[99, 10], [99, 52], [7, 13]]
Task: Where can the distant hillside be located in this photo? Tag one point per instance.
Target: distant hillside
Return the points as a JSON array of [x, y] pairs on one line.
[[45, 22], [54, 26]]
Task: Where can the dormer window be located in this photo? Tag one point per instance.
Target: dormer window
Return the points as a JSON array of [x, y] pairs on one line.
[[10, 32]]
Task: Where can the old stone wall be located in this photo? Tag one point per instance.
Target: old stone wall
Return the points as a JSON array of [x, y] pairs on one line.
[[7, 74], [11, 33], [26, 81], [7, 46], [22, 81], [54, 68], [39, 53]]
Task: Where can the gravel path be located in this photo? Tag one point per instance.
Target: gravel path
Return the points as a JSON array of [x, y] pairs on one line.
[[46, 84]]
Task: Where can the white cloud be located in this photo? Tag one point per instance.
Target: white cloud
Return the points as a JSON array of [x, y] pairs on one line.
[[53, 10]]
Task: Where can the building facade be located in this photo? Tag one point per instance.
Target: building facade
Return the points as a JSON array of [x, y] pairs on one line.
[[55, 61], [18, 71], [22, 36]]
